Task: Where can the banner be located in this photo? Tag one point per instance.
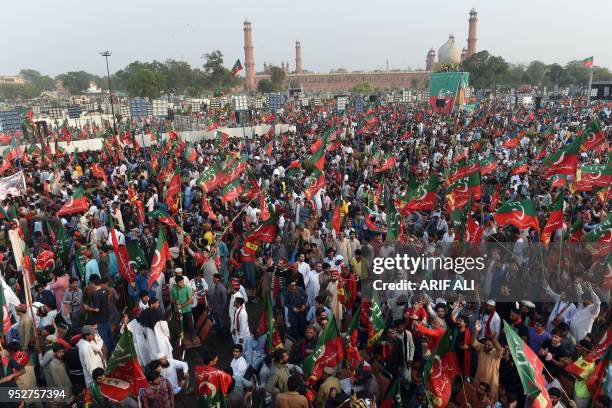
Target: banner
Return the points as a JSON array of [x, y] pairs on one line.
[[14, 185], [444, 89]]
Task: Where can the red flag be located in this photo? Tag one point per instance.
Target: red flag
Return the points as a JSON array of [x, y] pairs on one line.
[[123, 258], [162, 253], [213, 384], [172, 193], [99, 172], [77, 203]]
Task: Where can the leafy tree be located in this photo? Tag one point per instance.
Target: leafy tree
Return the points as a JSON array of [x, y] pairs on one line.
[[76, 81], [556, 75], [486, 71], [146, 83], [16, 92], [364, 88], [535, 73], [265, 86], [42, 82]]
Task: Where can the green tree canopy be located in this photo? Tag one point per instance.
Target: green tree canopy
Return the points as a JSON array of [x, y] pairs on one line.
[[146, 83], [76, 81], [265, 86], [42, 82], [363, 88]]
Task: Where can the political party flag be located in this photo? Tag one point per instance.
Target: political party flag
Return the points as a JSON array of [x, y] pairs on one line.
[[236, 68], [439, 371], [521, 214], [520, 167], [604, 343], [563, 161], [264, 205], [27, 118], [575, 232], [190, 154], [335, 222], [231, 191], [458, 193], [599, 175], [162, 253], [600, 238], [138, 257], [123, 374], [376, 322], [77, 203], [555, 220], [487, 165], [293, 168], [512, 140], [266, 325], [212, 386], [587, 62], [559, 180], [314, 183], [387, 162], [392, 397], [121, 253], [529, 367], [329, 352], [593, 137], [599, 380], [172, 194], [352, 352], [422, 198], [210, 178], [5, 317]]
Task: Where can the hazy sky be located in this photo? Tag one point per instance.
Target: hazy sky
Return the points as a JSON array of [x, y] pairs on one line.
[[54, 36]]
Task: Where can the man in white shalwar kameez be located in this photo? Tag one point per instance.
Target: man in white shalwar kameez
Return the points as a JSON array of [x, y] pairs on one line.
[[90, 354]]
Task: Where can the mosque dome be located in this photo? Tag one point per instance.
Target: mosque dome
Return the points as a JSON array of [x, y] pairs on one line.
[[449, 52]]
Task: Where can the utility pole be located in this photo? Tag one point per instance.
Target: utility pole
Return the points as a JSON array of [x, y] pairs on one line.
[[107, 54]]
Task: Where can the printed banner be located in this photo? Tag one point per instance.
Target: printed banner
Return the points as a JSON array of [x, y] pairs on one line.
[[14, 185]]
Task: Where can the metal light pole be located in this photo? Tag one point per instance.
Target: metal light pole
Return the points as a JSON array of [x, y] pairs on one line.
[[107, 54]]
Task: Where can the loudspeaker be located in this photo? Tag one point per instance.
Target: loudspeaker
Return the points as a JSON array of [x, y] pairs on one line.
[[440, 103]]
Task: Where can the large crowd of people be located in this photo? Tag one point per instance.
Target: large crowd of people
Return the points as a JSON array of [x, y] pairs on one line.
[[256, 254]]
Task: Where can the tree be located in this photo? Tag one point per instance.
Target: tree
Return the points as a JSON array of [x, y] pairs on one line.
[[277, 77], [265, 86], [16, 92], [42, 82], [556, 75], [535, 73], [485, 70], [76, 81], [146, 83], [364, 88]]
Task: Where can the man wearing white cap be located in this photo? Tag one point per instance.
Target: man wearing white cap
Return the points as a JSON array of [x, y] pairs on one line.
[[168, 371], [490, 321]]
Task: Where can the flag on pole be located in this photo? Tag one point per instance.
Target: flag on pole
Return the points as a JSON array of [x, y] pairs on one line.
[[158, 264], [329, 352], [529, 367], [77, 203], [212, 386], [555, 220], [587, 62], [236, 68], [123, 374], [439, 371], [521, 214]]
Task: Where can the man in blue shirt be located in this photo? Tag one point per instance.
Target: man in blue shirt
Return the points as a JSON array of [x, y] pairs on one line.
[[91, 267], [141, 283]]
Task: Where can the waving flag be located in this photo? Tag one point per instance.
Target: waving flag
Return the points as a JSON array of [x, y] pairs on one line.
[[593, 137], [521, 214], [600, 238], [212, 386], [458, 193], [99, 172], [77, 203], [314, 183], [329, 352], [387, 162], [439, 371], [563, 161], [520, 167], [236, 68], [529, 367], [423, 198], [162, 216], [487, 165], [555, 220], [123, 374], [599, 175], [162, 253]]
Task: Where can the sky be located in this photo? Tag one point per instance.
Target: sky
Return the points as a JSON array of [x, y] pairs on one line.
[[55, 36]]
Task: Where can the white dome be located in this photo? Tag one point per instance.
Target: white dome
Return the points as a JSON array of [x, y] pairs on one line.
[[449, 53]]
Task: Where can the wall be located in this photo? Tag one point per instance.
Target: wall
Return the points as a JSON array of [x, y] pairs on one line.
[[190, 136]]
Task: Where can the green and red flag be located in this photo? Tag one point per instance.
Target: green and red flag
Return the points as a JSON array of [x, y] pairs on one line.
[[593, 137], [76, 203], [161, 256], [137, 256], [5, 316], [34, 150], [172, 194], [487, 165], [458, 193], [575, 232], [211, 178], [139, 207], [604, 343], [211, 386], [314, 183], [329, 352], [522, 214], [600, 238], [423, 198], [293, 168], [352, 352], [190, 154], [529, 367], [266, 325], [440, 368], [564, 161], [587, 62], [268, 148], [390, 399], [520, 167], [264, 205], [163, 217], [559, 180], [236, 68], [599, 175], [234, 170], [599, 380], [555, 220], [121, 253], [27, 118], [370, 222], [376, 321], [221, 139], [512, 140], [123, 374], [231, 191], [387, 162], [212, 126]]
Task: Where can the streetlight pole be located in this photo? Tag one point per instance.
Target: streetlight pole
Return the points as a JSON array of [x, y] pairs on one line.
[[107, 54]]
